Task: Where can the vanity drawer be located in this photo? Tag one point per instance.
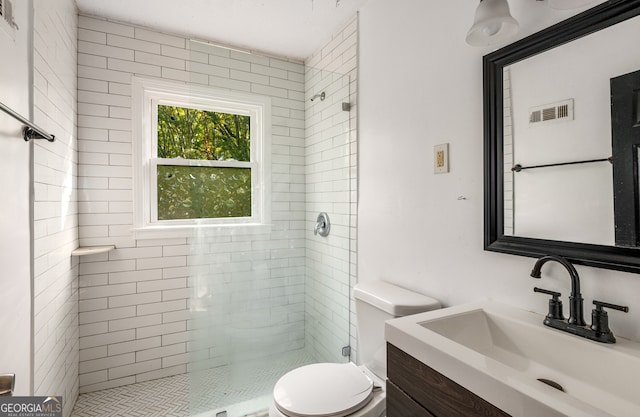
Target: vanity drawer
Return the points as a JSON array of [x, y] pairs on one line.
[[400, 404], [441, 396]]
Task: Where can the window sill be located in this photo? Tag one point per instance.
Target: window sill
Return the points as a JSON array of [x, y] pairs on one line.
[[169, 232]]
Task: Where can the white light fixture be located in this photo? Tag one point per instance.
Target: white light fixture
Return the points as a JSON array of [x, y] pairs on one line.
[[569, 4], [492, 23]]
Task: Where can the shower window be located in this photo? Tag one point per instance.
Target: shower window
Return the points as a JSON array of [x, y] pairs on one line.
[[202, 158]]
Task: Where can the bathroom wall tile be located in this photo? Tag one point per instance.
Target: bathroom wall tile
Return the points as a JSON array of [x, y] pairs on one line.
[[109, 314], [106, 339], [94, 328], [106, 291], [163, 329], [92, 36], [159, 60], [134, 276], [121, 89], [118, 159], [237, 85], [103, 98], [161, 307], [93, 353], [134, 345], [163, 262], [55, 280], [106, 363], [92, 184], [95, 24], [93, 304], [135, 322], [248, 57], [133, 369], [270, 71], [129, 43], [93, 377], [93, 110], [249, 77], [161, 352], [208, 48], [134, 299], [181, 53], [178, 315], [161, 373], [103, 74], [173, 338], [93, 134], [120, 113], [91, 48], [179, 75], [175, 360], [287, 65], [121, 184], [108, 384], [92, 61], [124, 65], [161, 38]]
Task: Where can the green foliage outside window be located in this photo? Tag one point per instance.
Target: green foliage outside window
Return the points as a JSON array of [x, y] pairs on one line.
[[203, 192], [186, 192]]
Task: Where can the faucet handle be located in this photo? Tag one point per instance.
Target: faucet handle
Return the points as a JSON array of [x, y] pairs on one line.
[[555, 305], [600, 320], [600, 304]]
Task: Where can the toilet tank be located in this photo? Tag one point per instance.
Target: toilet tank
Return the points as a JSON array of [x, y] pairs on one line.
[[377, 302]]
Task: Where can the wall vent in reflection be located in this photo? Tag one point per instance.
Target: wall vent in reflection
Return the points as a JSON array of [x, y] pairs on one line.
[[560, 111]]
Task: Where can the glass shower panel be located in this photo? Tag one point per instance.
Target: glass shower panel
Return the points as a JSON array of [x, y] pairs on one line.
[[328, 190], [268, 299], [248, 320]]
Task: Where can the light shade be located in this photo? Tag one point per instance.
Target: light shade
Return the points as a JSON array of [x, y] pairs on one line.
[[569, 4], [492, 23]]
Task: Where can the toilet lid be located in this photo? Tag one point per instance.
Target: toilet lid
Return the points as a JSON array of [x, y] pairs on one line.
[[323, 389]]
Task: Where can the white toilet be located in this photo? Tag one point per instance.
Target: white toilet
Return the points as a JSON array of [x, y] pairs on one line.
[[344, 389]]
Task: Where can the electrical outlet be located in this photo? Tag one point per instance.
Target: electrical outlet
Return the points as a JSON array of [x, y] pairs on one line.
[[441, 158]]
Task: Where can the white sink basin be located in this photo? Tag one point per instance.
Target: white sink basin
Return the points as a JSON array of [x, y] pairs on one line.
[[499, 353]]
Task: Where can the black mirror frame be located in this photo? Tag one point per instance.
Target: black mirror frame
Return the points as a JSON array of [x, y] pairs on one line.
[[600, 256]]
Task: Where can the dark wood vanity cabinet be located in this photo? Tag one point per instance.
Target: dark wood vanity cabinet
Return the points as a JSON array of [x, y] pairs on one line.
[[416, 390]]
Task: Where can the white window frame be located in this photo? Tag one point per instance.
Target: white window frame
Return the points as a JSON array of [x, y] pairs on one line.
[[148, 94]]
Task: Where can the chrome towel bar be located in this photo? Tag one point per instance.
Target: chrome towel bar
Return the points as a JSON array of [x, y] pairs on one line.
[[30, 131]]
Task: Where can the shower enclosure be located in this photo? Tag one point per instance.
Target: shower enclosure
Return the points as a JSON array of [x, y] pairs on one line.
[[266, 300]]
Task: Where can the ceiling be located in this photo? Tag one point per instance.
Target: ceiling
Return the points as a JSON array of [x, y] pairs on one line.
[[287, 28]]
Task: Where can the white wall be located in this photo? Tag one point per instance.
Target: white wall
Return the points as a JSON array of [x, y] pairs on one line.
[[421, 85], [15, 227], [55, 220]]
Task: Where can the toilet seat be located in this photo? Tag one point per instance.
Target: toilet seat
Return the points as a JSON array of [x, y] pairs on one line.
[[323, 389]]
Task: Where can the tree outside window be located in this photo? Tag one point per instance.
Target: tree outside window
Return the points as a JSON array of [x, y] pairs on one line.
[[196, 192]]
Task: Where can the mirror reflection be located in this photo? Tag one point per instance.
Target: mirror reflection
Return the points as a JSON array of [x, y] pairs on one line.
[[570, 116]]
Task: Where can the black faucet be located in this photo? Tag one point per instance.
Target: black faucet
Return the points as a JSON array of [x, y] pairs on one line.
[[576, 312], [599, 329]]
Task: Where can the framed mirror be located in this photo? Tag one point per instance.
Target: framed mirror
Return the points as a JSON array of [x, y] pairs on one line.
[[561, 141]]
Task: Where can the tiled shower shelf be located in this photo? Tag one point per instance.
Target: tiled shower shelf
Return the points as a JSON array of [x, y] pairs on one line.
[[92, 250]]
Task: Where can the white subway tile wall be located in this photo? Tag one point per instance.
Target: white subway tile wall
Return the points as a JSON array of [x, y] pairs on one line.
[[508, 154], [55, 202], [134, 301], [331, 186]]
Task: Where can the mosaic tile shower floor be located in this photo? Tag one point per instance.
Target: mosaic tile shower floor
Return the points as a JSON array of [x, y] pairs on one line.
[[171, 397]]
